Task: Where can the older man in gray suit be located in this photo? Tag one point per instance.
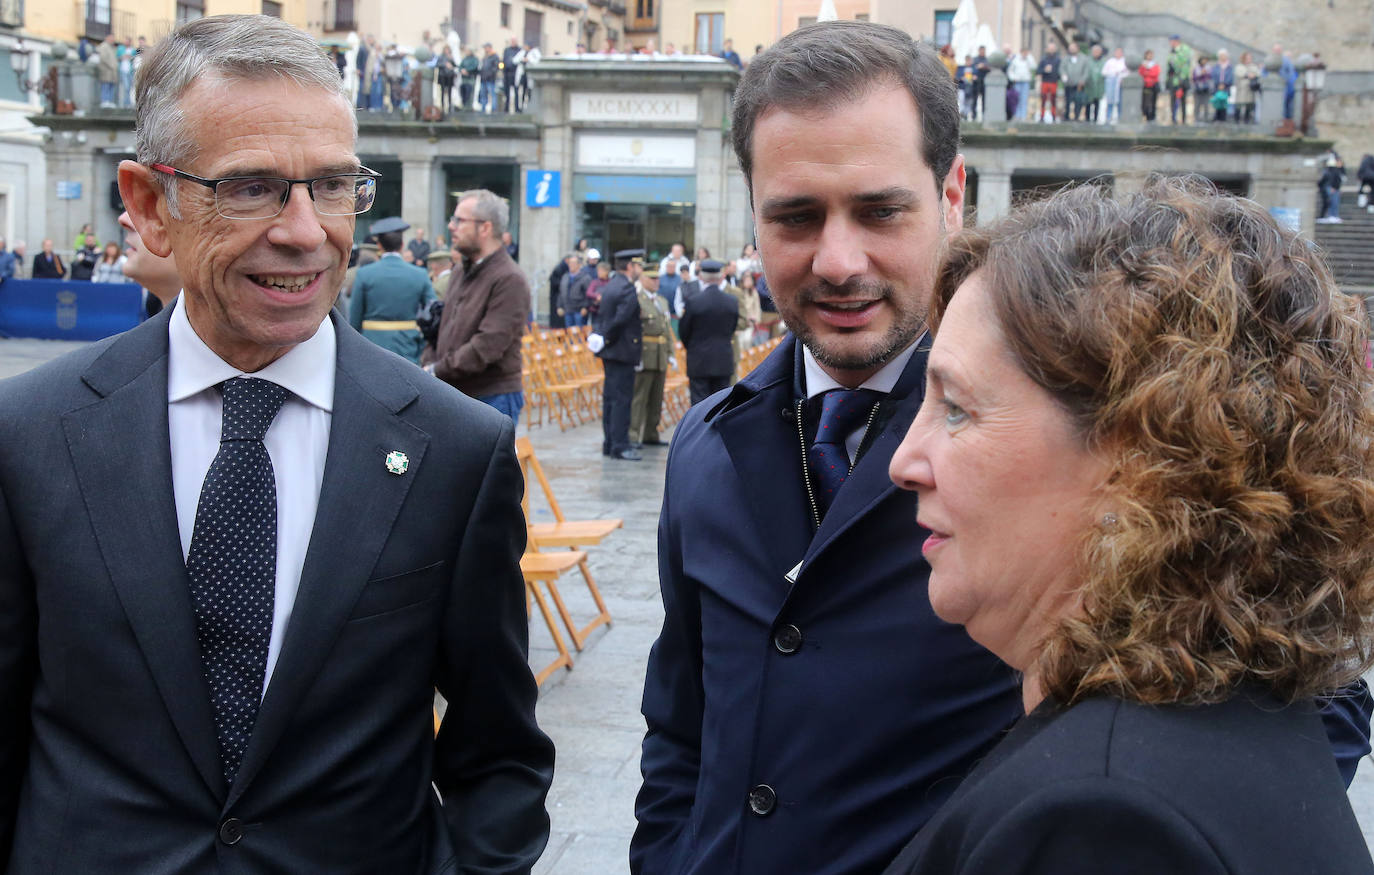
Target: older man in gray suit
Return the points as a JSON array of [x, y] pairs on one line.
[[240, 546]]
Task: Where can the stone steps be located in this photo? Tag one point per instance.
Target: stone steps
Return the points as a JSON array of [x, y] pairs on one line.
[[1349, 246]]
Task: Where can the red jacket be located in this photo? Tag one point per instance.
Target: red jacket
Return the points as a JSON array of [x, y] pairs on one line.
[[1150, 74]]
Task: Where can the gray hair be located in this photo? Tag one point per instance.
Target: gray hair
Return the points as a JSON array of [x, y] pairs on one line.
[[489, 208], [223, 48]]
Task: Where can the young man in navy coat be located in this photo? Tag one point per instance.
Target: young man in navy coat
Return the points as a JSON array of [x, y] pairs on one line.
[[806, 710]]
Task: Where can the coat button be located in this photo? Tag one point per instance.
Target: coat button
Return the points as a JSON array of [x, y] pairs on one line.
[[762, 799], [788, 639], [231, 831]]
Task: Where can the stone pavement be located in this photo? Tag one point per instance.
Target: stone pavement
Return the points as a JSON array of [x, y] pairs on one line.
[[592, 712]]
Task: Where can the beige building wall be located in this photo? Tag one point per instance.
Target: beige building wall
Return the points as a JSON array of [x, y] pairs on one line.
[[406, 23], [917, 17], [746, 22], [1343, 34], [154, 19]]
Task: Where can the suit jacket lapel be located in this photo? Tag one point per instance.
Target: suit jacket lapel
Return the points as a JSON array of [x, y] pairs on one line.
[[123, 439], [343, 550], [759, 431]]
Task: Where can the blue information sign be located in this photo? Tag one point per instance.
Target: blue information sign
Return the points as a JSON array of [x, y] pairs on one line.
[[543, 188]]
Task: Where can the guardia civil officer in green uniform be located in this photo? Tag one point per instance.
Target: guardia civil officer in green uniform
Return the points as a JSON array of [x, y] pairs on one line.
[[655, 357], [387, 293]]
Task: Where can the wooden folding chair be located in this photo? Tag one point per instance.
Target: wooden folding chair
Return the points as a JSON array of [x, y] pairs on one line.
[[547, 568], [563, 532]]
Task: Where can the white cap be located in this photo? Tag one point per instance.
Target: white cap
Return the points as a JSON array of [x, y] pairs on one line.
[[594, 253]]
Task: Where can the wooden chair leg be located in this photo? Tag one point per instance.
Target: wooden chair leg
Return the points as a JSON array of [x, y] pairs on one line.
[[579, 636], [603, 615], [564, 658]]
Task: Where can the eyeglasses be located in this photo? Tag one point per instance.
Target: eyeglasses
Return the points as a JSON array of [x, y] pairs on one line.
[[264, 197]]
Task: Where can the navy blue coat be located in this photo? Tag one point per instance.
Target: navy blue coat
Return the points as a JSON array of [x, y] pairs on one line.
[[706, 329], [617, 320], [865, 726], [843, 693]]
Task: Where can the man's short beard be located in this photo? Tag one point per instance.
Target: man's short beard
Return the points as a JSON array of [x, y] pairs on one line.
[[906, 327]]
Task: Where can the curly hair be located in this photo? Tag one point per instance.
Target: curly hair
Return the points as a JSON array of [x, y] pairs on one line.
[[1209, 357]]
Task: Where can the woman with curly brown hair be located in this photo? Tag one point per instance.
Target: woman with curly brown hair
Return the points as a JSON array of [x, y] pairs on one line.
[[1145, 460]]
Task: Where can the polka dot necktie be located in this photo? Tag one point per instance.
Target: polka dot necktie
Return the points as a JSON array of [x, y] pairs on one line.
[[842, 411], [233, 563]]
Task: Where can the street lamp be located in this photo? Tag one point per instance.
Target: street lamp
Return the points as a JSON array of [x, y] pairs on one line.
[[45, 85]]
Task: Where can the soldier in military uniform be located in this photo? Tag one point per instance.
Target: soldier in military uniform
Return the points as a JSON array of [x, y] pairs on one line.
[[617, 341], [387, 294], [657, 353]]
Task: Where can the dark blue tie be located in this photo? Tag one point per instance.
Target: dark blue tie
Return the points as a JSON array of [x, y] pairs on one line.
[[842, 411], [233, 563]]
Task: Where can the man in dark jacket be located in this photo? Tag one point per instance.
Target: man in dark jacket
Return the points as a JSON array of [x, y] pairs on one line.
[[491, 68], [805, 709], [485, 309], [468, 68], [84, 261], [48, 264], [1049, 83], [508, 71], [360, 62], [557, 286], [707, 327], [572, 294], [617, 340], [419, 247]]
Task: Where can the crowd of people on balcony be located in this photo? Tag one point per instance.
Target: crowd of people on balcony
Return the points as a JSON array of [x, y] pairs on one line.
[[472, 78], [1086, 87]]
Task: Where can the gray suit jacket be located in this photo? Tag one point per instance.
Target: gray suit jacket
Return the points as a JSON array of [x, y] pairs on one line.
[[108, 759]]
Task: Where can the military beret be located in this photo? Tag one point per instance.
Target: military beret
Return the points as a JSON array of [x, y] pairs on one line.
[[710, 265]]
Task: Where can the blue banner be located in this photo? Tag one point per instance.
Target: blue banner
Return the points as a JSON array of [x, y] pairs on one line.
[[68, 309], [616, 189]]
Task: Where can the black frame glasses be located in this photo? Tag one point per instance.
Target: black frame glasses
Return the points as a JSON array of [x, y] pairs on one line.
[[235, 198]]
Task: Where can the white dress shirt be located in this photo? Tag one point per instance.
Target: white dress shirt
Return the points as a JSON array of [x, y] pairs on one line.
[[297, 442], [818, 381]]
